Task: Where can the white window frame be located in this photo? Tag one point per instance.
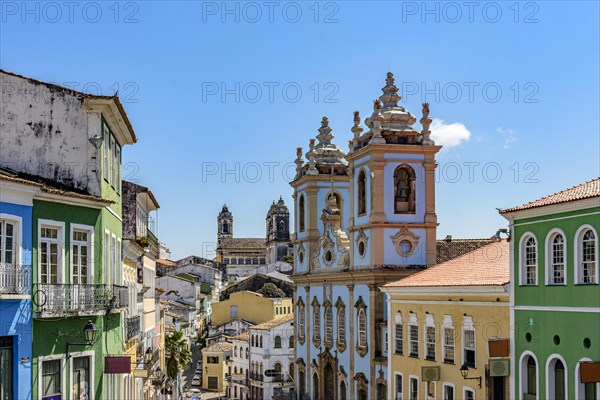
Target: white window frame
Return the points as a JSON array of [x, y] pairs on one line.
[[523, 373], [17, 222], [469, 389], [91, 355], [448, 384], [301, 322], [549, 259], [433, 390], [448, 324], [63, 370], [107, 258], [90, 231], [341, 323], [468, 325], [398, 396], [410, 378], [362, 334], [316, 320], [106, 151], [398, 339], [522, 261], [47, 223], [429, 323], [578, 246], [413, 322], [328, 317], [550, 384]]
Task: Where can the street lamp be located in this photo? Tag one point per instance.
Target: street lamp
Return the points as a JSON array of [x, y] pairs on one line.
[[89, 333], [148, 355], [464, 371]]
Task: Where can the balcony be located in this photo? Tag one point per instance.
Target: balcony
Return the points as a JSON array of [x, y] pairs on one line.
[[15, 279], [132, 327], [78, 299]]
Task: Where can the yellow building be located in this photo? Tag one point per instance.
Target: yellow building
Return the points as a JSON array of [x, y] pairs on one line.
[[449, 321], [214, 361], [250, 306]]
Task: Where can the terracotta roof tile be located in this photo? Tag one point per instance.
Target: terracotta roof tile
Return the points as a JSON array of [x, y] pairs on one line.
[[585, 190], [244, 337], [218, 347], [274, 322], [485, 266], [243, 243]]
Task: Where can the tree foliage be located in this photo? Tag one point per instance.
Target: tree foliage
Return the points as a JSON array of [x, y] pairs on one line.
[[271, 290], [178, 355]]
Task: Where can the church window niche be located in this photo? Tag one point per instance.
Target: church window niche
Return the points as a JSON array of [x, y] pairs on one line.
[[225, 227], [404, 190], [328, 325], [301, 214], [362, 193], [301, 323], [361, 317], [316, 322]]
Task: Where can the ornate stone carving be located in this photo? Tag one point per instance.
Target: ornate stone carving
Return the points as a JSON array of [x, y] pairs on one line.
[[405, 241], [362, 240]]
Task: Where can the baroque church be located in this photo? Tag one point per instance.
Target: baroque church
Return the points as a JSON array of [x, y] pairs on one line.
[[363, 218], [244, 255]]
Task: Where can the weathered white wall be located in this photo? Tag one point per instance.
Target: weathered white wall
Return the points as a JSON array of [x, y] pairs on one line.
[[44, 131]]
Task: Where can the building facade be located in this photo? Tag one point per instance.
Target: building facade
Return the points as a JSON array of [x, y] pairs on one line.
[[377, 225], [450, 317], [76, 230], [215, 361], [16, 203], [555, 301], [250, 306]]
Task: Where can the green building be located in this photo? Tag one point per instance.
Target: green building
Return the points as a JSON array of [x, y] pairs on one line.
[[68, 145], [555, 300]]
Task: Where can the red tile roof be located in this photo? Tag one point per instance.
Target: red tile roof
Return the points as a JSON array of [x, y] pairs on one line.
[[485, 266], [586, 190]]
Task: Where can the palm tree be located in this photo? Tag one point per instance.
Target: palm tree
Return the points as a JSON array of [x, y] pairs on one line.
[[178, 355]]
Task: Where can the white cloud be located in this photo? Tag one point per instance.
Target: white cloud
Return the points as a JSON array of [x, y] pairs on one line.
[[510, 136], [449, 135]]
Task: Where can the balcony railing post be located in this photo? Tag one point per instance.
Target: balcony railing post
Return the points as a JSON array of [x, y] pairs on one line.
[[15, 279]]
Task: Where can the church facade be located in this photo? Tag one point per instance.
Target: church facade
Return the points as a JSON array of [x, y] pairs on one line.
[[244, 255], [363, 218]]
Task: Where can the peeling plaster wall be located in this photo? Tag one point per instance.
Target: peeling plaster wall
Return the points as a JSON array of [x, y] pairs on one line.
[[44, 131]]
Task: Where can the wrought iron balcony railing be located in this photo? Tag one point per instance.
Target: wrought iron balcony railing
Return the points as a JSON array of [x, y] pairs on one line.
[[132, 327], [68, 298], [15, 279]]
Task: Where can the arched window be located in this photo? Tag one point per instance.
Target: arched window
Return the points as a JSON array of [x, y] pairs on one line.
[[235, 370], [301, 214], [316, 322], [291, 343], [253, 341], [277, 342], [328, 325], [225, 227], [291, 370], [277, 368], [559, 380], [404, 189], [587, 256], [362, 328], [235, 351], [556, 257], [341, 325], [301, 324], [261, 370], [246, 353], [529, 377], [261, 342], [362, 192], [529, 261], [315, 386]]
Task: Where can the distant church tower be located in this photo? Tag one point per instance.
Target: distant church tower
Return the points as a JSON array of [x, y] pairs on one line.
[[278, 231], [362, 219], [224, 225]]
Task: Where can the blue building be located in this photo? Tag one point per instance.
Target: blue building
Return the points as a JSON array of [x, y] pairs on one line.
[[16, 202]]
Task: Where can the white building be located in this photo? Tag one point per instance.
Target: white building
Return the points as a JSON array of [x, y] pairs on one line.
[[238, 387], [362, 219], [271, 360]]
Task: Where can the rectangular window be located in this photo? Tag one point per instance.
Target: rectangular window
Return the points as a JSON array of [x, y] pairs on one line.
[[233, 311], [107, 268], [110, 159], [49, 238], [212, 360], [113, 259], [51, 379], [414, 340], [469, 394], [106, 145], [448, 392], [81, 378], [469, 337], [7, 242], [80, 257], [430, 342], [448, 344], [398, 387], [414, 389], [399, 336]]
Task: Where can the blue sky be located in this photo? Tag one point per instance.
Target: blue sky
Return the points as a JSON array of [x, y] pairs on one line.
[[209, 87]]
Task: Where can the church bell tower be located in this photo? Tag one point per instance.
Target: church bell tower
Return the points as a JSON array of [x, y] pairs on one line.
[[224, 225]]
